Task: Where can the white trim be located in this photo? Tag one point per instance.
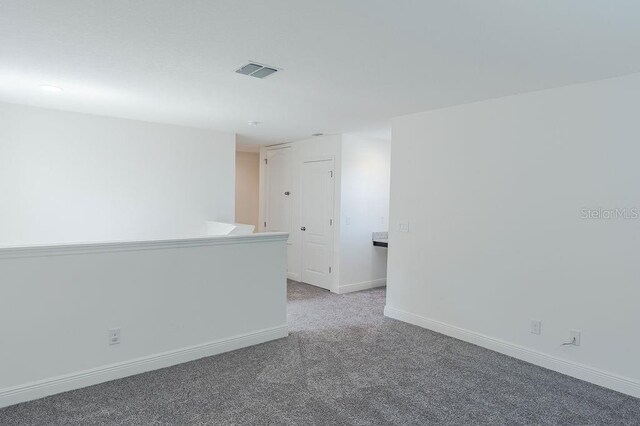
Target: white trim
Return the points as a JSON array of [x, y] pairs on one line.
[[80, 379], [278, 146], [103, 247], [293, 276], [584, 372], [349, 288], [318, 158]]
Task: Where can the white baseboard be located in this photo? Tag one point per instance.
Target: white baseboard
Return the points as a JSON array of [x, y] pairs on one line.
[[80, 379], [584, 372], [294, 277], [348, 288]]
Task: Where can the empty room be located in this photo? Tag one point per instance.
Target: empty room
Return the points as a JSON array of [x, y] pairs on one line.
[[340, 212]]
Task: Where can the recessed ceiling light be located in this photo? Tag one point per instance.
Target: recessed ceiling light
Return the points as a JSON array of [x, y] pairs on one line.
[[52, 89], [254, 123]]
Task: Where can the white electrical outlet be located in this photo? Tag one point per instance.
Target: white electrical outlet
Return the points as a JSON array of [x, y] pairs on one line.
[[536, 326], [114, 336], [403, 226], [574, 337]]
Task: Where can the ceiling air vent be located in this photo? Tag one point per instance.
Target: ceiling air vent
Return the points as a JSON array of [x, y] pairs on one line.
[[257, 70]]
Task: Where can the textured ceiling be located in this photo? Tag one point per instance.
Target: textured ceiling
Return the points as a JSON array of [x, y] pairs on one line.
[[348, 65]]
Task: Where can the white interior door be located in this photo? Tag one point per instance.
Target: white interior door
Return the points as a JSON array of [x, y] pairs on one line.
[[316, 220], [277, 216], [278, 199]]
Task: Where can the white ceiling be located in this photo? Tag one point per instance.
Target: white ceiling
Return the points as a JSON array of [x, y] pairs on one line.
[[348, 65]]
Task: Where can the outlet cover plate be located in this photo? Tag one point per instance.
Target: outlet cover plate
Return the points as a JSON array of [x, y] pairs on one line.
[[536, 326], [114, 336]]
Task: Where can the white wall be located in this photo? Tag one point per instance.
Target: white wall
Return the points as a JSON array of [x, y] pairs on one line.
[[247, 182], [493, 193], [174, 301], [364, 209], [75, 177]]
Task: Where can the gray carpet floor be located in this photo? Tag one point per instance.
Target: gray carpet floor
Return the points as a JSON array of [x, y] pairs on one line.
[[344, 363]]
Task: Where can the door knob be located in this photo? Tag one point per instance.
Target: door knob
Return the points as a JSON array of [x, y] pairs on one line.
[[287, 193], [304, 228]]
